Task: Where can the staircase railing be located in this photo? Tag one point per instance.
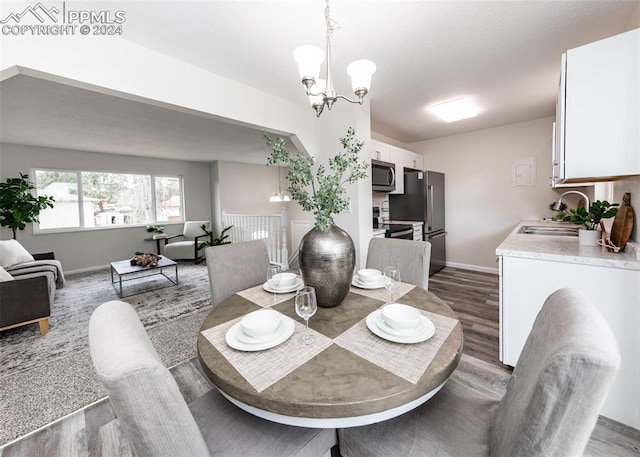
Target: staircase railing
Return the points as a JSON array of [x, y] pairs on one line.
[[271, 228]]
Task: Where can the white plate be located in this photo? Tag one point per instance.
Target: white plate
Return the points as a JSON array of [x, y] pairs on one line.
[[428, 330], [382, 325], [284, 290], [361, 285], [247, 339], [232, 339]]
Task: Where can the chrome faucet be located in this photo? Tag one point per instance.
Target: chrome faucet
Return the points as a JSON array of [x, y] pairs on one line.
[[557, 205]]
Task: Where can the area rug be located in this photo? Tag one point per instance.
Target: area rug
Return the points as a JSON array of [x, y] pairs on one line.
[[43, 378]]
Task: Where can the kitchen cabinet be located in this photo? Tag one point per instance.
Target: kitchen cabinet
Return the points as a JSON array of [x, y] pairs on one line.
[[401, 158], [529, 276], [596, 135]]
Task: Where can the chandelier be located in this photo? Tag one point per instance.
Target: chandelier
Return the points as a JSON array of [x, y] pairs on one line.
[[310, 58], [279, 196]]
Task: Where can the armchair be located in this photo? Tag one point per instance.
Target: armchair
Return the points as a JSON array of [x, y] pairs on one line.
[[29, 292], [187, 248]]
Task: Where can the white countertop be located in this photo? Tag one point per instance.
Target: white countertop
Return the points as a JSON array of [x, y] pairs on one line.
[[566, 249]]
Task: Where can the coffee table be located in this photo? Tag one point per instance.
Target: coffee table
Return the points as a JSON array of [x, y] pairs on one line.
[[122, 271]]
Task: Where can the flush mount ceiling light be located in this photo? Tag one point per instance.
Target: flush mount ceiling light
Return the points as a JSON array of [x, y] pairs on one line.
[[454, 110], [279, 196], [321, 92]]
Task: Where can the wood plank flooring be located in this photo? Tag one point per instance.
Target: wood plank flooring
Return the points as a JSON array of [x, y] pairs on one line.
[[93, 431]]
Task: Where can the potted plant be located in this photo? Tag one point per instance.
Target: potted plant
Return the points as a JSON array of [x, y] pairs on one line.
[[326, 253], [222, 239], [155, 229], [18, 205], [590, 220]]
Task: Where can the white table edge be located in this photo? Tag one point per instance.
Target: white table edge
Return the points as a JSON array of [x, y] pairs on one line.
[[331, 422]]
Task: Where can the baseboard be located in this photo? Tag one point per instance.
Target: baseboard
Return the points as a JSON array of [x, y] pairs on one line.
[[86, 270], [464, 266]]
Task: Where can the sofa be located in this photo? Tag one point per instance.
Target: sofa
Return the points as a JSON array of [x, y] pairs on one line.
[[28, 285]]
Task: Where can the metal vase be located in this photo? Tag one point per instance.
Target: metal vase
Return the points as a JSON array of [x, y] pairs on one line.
[[327, 260]]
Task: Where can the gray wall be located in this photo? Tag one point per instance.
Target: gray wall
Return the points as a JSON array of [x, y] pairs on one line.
[[95, 248]]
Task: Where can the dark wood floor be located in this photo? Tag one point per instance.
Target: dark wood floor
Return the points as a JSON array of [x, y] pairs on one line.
[[93, 431], [474, 297]]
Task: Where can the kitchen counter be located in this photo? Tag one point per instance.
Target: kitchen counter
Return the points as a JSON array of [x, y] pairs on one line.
[[566, 249]]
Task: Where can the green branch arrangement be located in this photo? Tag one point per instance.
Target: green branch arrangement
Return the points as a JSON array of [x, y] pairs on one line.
[[323, 194]]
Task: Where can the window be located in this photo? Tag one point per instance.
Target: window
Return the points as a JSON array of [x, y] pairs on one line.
[[89, 199]]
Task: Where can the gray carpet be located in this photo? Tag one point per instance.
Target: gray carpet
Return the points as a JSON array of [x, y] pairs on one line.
[[43, 378]]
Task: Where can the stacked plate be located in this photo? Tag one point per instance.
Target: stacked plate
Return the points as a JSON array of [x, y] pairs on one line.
[[260, 330], [401, 324], [368, 279], [288, 283]]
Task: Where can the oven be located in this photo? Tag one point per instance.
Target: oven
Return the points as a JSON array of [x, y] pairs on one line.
[[399, 231]]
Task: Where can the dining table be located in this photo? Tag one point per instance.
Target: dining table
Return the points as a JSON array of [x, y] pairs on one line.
[[348, 376]]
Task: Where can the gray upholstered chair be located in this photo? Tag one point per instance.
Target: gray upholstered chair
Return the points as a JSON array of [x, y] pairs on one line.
[[187, 248], [412, 257], [550, 407], [154, 416], [236, 266]]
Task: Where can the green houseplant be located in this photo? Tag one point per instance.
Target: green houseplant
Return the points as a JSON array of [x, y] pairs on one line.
[[222, 239], [18, 205], [326, 253], [590, 219]]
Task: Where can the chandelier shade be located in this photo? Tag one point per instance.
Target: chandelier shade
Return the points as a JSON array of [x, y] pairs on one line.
[[310, 58]]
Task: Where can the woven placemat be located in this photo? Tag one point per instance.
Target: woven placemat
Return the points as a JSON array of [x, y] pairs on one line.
[[261, 297], [263, 368], [409, 361], [382, 294]]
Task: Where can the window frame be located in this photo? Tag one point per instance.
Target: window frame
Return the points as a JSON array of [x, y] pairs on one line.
[[37, 230]]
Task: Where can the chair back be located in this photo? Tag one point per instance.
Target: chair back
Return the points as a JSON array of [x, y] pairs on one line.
[[236, 266], [192, 229], [152, 412], [412, 257], [560, 381]]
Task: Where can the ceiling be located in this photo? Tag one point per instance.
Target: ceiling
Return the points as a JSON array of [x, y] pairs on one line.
[[502, 55]]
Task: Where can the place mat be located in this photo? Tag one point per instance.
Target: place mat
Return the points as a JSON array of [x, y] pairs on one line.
[[383, 294], [263, 368], [408, 361], [261, 297]]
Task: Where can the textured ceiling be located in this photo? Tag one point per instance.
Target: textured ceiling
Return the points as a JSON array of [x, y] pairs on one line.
[[503, 55]]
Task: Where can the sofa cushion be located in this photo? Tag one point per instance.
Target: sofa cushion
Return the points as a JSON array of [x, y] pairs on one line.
[[4, 276], [12, 253]]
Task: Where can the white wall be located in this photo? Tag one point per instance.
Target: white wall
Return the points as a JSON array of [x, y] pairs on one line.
[[482, 207], [88, 249]]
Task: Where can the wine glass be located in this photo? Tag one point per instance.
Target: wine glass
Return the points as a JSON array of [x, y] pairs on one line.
[[273, 279], [306, 306], [391, 280]]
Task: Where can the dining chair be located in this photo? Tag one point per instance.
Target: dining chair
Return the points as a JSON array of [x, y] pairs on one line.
[[236, 266], [154, 416], [550, 407], [187, 248], [412, 257]]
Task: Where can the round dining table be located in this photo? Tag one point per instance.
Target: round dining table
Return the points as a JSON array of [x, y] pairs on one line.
[[349, 376]]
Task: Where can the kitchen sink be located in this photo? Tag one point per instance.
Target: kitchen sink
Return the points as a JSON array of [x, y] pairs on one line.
[[546, 230]]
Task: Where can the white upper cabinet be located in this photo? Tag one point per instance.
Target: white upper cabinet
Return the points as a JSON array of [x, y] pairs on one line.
[[597, 134], [402, 159]]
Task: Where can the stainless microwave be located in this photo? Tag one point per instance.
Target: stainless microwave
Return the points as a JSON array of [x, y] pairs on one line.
[[383, 176]]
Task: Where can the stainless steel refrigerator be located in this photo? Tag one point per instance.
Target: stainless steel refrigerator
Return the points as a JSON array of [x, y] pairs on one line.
[[423, 200]]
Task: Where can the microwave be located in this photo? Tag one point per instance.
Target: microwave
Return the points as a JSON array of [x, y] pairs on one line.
[[383, 176]]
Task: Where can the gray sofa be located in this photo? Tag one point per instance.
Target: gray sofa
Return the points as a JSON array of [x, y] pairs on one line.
[[29, 297]]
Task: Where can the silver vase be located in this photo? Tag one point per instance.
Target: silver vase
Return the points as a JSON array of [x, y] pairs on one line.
[[327, 260]]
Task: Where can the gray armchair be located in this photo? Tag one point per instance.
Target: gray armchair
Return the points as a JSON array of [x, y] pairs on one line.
[[154, 416], [28, 298], [550, 408]]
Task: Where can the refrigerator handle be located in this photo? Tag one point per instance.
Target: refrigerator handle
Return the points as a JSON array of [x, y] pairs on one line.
[[430, 209]]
